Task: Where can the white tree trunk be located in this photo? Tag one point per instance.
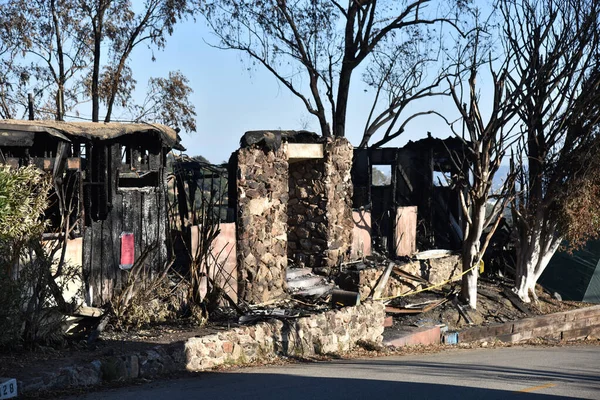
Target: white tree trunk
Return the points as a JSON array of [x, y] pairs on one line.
[[471, 256], [469, 281], [532, 259]]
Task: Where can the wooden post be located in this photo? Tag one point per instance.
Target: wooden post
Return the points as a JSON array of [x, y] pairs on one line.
[[30, 106]]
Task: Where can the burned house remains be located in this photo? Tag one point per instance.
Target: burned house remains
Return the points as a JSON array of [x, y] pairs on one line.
[[298, 202], [284, 201], [109, 198]]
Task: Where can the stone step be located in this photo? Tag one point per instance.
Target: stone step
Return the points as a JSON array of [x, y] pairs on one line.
[[292, 273], [315, 291], [305, 281]]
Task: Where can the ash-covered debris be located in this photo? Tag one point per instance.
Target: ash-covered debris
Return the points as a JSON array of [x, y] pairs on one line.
[[383, 278], [301, 282], [374, 277]]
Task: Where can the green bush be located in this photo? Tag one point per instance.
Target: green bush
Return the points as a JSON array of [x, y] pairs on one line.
[[24, 269], [23, 199]]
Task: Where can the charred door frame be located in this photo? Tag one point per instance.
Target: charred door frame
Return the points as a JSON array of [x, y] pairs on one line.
[[383, 205]]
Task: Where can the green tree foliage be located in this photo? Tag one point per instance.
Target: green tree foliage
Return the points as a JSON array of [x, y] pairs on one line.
[[52, 41], [70, 52], [167, 102], [125, 30], [579, 202]]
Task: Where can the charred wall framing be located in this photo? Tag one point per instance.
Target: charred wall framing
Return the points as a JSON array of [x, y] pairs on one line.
[[412, 184], [139, 208], [200, 196], [200, 185]]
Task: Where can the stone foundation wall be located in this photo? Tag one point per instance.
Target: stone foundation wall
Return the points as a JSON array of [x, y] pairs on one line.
[[262, 188], [338, 192], [335, 331], [307, 225], [435, 271]]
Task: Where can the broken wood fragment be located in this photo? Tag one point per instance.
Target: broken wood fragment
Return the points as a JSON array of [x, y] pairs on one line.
[[462, 311], [95, 334], [430, 254], [434, 305], [383, 280], [411, 277], [516, 301], [85, 311], [489, 294], [416, 308], [396, 310]]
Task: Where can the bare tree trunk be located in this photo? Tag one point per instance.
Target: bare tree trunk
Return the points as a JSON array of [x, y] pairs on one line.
[[98, 23], [60, 94], [339, 119], [96, 73], [471, 255], [468, 291], [533, 255], [348, 65]]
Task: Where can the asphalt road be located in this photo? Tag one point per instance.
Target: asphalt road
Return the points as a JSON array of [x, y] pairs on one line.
[[507, 373]]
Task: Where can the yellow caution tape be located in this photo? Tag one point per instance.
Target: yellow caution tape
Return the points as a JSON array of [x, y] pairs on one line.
[[432, 286]]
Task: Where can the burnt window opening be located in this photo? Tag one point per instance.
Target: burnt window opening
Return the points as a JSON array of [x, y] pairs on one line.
[[138, 180], [82, 150], [381, 175], [137, 171], [442, 178], [200, 187], [134, 158]]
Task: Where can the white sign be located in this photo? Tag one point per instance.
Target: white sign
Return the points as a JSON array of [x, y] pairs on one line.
[[8, 388]]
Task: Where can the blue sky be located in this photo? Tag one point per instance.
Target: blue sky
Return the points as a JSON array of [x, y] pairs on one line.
[[232, 98]]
